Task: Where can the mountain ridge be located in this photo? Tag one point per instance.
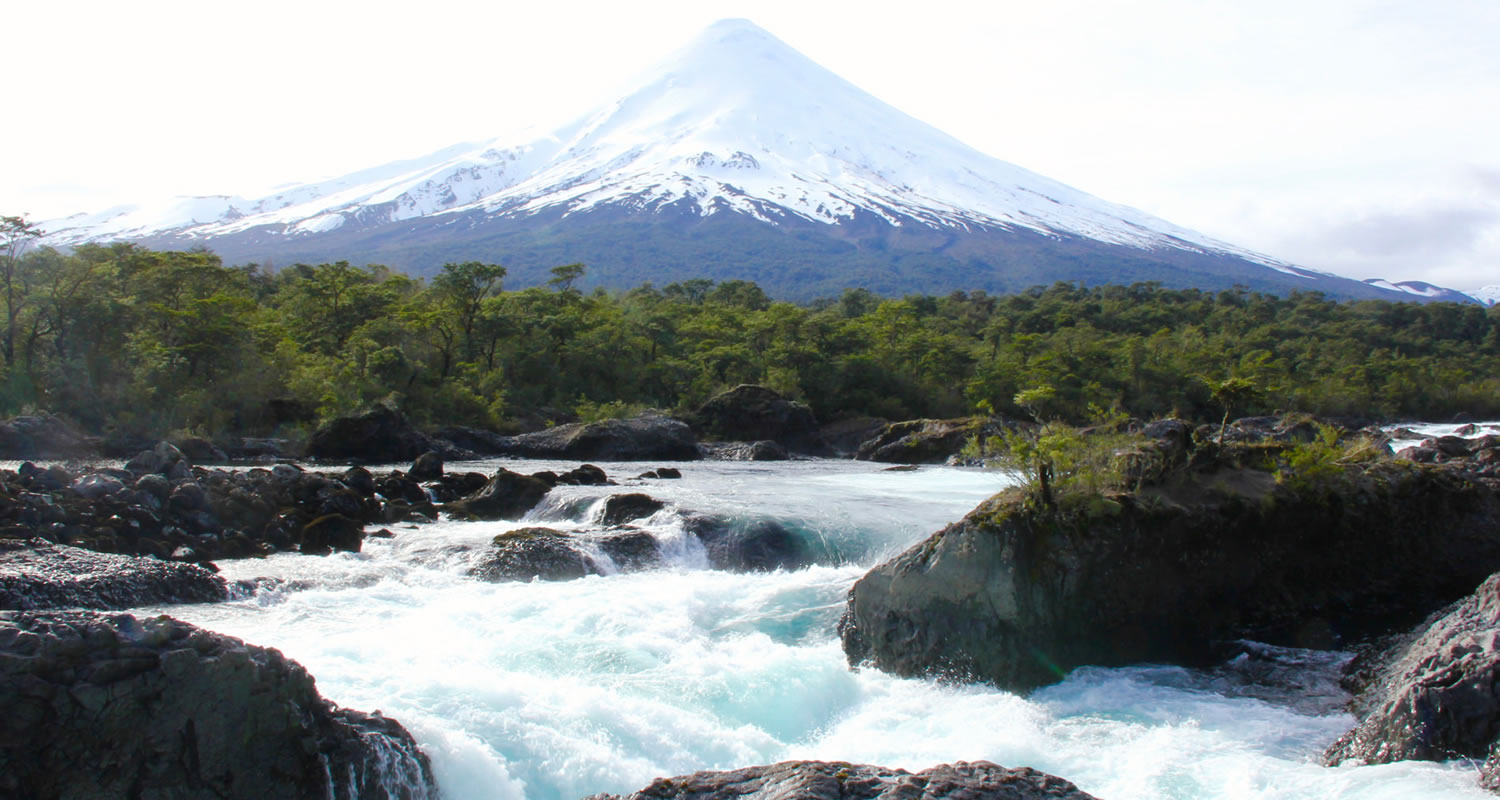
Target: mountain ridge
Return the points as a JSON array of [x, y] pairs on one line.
[[735, 122]]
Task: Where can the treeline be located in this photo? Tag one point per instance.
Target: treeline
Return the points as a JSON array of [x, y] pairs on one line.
[[124, 338]]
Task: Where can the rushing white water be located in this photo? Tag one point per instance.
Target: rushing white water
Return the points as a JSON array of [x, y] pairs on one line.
[[558, 690]]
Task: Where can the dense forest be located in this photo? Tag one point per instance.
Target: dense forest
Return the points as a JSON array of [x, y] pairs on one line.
[[122, 338]]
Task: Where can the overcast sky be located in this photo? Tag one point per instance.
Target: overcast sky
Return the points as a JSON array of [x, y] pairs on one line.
[[1360, 137]]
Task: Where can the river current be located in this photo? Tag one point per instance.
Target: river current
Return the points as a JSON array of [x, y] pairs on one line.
[[558, 690]]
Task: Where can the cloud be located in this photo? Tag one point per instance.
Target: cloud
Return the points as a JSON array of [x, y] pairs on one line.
[[1449, 242]]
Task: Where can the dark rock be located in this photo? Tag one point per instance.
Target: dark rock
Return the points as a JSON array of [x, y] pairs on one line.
[[188, 497], [44, 436], [749, 413], [454, 486], [846, 435], [583, 475], [822, 780], [527, 553], [649, 437], [332, 532], [622, 508], [923, 441], [507, 495], [1430, 695], [359, 480], [198, 450], [96, 486], [668, 473], [380, 435], [631, 551], [95, 705], [747, 546], [764, 450], [1019, 595], [427, 467], [35, 574], [473, 439]]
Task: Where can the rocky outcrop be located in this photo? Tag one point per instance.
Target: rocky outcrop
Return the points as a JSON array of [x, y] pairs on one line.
[[923, 441], [1431, 695], [750, 413], [837, 780], [622, 508], [1019, 594], [380, 435], [36, 574], [96, 705], [1480, 456], [44, 436], [649, 437]]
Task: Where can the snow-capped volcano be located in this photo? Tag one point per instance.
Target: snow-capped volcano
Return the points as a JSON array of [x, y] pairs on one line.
[[734, 125]]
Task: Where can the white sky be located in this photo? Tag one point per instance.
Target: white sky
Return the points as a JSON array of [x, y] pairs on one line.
[[1356, 136]]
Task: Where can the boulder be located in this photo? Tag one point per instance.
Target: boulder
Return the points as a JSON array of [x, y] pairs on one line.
[[198, 450], [764, 450], [332, 532], [1019, 594], [923, 441], [381, 435], [649, 437], [36, 574], [751, 413], [747, 545], [44, 436], [621, 508], [97, 705], [1430, 695], [427, 467], [528, 553], [824, 780], [507, 495]]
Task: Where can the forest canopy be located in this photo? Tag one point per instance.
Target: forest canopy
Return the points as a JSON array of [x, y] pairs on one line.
[[123, 338]]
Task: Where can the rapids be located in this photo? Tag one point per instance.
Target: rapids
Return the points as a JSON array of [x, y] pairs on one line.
[[558, 690]]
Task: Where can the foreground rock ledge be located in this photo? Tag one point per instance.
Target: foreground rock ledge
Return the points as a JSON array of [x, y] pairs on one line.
[[823, 780], [106, 705], [1019, 596]]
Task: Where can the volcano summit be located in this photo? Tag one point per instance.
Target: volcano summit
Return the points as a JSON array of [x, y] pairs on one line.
[[737, 157]]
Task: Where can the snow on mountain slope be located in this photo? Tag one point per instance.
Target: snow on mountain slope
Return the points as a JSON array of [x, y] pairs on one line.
[[735, 121], [1489, 295]]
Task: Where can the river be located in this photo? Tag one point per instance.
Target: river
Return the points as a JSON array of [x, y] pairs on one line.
[[559, 690]]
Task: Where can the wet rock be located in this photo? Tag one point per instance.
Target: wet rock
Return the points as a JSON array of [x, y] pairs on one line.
[[583, 475], [822, 780], [332, 532], [764, 450], [631, 551], [507, 495], [359, 480], [528, 553], [649, 437], [427, 467], [747, 545], [96, 486], [98, 705], [750, 413], [1430, 695], [1018, 594], [35, 574], [623, 508]]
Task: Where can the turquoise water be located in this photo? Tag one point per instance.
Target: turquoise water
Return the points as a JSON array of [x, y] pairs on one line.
[[559, 690]]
